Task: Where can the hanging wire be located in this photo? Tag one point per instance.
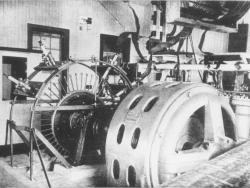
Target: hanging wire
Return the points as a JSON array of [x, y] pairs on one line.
[[192, 46], [99, 1]]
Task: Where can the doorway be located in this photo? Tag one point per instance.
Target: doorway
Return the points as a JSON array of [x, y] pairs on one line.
[[108, 47], [12, 66]]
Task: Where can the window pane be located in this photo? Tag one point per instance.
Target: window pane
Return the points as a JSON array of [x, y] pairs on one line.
[[46, 41], [51, 41], [35, 41], [55, 43]]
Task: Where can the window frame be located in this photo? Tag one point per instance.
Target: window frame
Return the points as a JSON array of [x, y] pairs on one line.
[[53, 30]]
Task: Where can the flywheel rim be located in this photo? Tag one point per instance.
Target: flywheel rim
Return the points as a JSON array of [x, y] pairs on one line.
[[44, 104]]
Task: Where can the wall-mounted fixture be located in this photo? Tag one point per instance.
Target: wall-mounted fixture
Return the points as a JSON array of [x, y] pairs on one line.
[[85, 21]]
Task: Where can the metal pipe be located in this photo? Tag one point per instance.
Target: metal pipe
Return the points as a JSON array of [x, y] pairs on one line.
[[223, 67]]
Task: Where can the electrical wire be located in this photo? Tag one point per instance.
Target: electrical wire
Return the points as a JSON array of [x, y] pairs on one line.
[[99, 1], [192, 46]]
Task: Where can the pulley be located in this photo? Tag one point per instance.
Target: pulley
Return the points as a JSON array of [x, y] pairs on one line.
[[161, 130]]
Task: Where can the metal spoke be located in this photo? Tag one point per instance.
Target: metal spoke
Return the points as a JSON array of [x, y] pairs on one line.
[[46, 124], [85, 83], [71, 81], [81, 78], [54, 84], [91, 77], [64, 90], [51, 91], [96, 83], [48, 97], [48, 134], [76, 81], [66, 82]]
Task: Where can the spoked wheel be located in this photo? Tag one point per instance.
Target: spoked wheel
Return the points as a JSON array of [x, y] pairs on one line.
[[68, 107], [162, 130]]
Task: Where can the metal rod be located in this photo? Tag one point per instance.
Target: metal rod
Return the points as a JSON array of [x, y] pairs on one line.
[[85, 83], [81, 79], [49, 88], [6, 132], [50, 139], [10, 119], [54, 142], [76, 81], [197, 67], [65, 79], [48, 96], [90, 81], [96, 82], [71, 80], [106, 73], [56, 88], [192, 46], [96, 86], [64, 90], [48, 134], [39, 143], [43, 119], [118, 94], [11, 148], [45, 131], [31, 156], [40, 157], [46, 126]]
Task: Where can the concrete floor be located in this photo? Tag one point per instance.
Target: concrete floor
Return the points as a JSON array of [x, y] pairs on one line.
[[18, 175], [231, 169]]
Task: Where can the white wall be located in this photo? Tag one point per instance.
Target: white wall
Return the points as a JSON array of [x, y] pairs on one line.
[[108, 18], [5, 105]]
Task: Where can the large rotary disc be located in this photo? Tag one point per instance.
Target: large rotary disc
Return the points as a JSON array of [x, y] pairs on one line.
[[164, 129], [68, 106]]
